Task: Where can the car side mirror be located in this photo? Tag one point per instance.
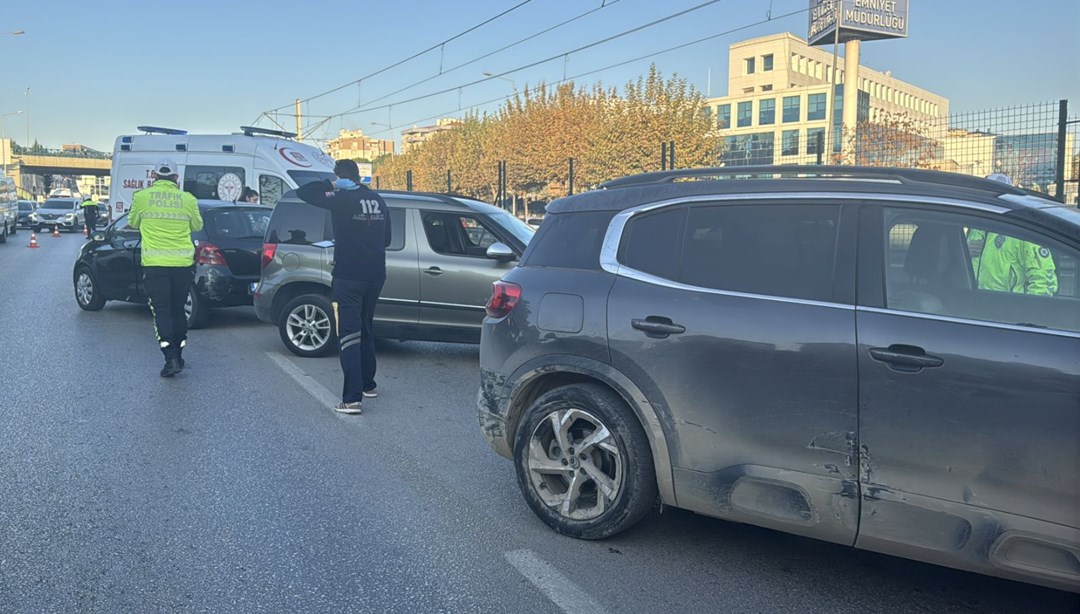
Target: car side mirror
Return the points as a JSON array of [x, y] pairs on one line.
[[500, 252], [98, 236]]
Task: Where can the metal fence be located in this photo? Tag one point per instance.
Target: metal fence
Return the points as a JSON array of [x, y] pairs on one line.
[[1036, 145]]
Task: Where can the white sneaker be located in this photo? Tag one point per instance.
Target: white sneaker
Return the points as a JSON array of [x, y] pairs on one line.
[[371, 394], [348, 408]]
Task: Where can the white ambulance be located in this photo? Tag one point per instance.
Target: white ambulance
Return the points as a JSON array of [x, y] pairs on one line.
[[216, 166]]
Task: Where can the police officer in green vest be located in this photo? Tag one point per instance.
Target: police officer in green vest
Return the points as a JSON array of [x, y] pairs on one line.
[[1007, 264], [166, 216], [90, 212]]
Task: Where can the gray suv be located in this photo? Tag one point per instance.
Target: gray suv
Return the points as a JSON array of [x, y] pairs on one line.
[[883, 358], [445, 253]]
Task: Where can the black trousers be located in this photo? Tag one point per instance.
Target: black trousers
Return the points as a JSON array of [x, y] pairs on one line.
[[167, 290], [91, 220], [354, 304]]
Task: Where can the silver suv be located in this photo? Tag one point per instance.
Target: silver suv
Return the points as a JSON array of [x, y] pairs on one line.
[[445, 254], [883, 358]]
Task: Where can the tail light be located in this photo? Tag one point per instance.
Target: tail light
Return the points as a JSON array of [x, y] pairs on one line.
[[208, 253], [504, 297], [268, 251]]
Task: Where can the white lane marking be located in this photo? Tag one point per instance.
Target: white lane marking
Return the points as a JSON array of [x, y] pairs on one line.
[[558, 588], [306, 382]]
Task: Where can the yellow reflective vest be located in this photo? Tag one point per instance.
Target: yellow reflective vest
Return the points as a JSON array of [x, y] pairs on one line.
[[165, 216]]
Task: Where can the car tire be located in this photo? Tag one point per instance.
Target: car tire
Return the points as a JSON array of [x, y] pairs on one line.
[[307, 326], [196, 309], [613, 476], [4, 234], [87, 293], [14, 229]]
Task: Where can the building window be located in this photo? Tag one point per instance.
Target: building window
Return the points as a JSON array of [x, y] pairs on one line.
[[746, 113], [767, 112], [815, 141], [749, 66], [789, 143], [766, 88], [723, 116], [748, 149], [766, 62], [815, 107], [791, 109]]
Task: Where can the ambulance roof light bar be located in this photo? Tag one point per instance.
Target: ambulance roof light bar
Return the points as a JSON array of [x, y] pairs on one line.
[[157, 130], [253, 130]]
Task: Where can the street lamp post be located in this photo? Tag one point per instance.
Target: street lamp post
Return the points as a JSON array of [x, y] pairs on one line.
[[512, 82], [5, 149]]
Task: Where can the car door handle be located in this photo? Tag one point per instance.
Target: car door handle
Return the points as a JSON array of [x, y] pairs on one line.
[[906, 358], [657, 327], [433, 271]]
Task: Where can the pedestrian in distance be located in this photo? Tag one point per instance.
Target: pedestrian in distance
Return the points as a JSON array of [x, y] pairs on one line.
[[361, 223], [166, 216], [90, 213], [249, 196]]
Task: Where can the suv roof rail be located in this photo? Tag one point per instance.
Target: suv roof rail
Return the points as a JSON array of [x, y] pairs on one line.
[[444, 198], [253, 130], [791, 171]]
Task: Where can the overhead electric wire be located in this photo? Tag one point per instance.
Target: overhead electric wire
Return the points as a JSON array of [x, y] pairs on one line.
[[491, 53], [356, 110], [412, 57], [609, 67]]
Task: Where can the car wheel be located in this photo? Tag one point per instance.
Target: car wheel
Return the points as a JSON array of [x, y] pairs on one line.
[[196, 310], [87, 294], [583, 462], [307, 326], [4, 234]]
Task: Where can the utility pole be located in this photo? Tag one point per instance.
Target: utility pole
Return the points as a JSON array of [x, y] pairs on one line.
[[299, 137]]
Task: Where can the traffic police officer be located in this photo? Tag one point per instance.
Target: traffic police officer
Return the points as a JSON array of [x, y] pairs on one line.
[[1007, 264], [90, 211], [166, 216]]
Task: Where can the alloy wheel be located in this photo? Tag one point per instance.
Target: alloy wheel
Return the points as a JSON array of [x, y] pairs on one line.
[[84, 288], [574, 464], [308, 327]]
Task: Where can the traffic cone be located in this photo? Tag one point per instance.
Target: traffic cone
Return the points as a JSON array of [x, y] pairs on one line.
[[33, 240], [85, 230], [56, 231]]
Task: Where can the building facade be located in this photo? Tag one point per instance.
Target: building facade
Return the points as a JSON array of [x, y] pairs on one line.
[[417, 135], [777, 107], [353, 145]]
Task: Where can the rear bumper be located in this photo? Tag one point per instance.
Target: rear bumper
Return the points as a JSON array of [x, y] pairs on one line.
[[223, 289], [264, 301]]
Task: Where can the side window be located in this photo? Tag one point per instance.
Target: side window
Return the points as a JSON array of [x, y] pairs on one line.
[[775, 250], [214, 182], [456, 234], [397, 229], [650, 242], [970, 267], [298, 223], [270, 189]]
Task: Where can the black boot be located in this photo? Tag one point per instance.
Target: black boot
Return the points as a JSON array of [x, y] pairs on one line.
[[171, 368]]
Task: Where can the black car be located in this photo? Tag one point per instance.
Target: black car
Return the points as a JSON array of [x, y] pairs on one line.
[[26, 207], [227, 259]]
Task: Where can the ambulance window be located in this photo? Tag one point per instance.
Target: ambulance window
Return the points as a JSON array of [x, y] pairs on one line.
[[206, 182], [270, 189]]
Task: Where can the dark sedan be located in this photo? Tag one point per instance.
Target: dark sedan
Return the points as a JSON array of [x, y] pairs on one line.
[[26, 207], [227, 261]]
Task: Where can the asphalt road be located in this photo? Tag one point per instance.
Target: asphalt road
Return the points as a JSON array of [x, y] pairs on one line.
[[233, 488]]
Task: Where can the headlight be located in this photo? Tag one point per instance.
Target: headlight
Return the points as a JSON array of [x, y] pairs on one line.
[[33, 216], [69, 216]]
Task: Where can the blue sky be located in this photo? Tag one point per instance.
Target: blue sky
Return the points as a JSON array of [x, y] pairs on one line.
[[211, 66]]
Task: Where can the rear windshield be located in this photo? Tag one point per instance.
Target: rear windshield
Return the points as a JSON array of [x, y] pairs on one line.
[[569, 240], [298, 223], [236, 223], [58, 204]]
